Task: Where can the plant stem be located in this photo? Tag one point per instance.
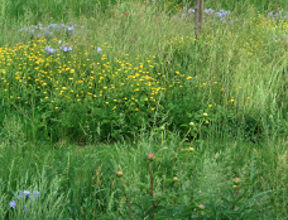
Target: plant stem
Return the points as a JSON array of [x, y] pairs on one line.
[[127, 200], [183, 139], [237, 192], [151, 180]]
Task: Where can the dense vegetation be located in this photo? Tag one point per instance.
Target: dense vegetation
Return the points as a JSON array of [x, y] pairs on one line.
[[111, 109]]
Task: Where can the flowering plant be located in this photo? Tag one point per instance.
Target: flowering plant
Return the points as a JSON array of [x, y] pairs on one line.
[[26, 195]]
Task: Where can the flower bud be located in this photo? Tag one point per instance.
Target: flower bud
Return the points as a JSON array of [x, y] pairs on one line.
[[162, 128], [175, 179], [201, 207], [150, 157], [205, 114], [237, 181], [119, 173], [191, 149], [191, 124]]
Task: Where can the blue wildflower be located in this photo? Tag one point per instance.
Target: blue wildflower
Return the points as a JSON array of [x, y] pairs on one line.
[[191, 10], [98, 50], [36, 193], [50, 49], [65, 48], [184, 15], [25, 193], [12, 204]]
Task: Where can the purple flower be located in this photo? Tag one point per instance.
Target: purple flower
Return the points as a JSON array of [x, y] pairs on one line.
[[209, 11], [191, 10], [98, 50], [34, 194], [65, 48], [25, 193], [184, 15], [50, 49], [12, 204]]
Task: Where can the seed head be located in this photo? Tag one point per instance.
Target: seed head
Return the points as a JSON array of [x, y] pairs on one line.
[[150, 157], [119, 173]]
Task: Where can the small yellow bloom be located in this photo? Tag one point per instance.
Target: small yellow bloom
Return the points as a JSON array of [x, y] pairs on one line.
[[136, 109], [206, 122], [56, 107], [210, 106], [249, 98], [222, 89], [107, 103], [152, 109]]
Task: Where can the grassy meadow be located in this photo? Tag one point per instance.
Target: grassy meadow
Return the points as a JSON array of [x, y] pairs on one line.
[[113, 110]]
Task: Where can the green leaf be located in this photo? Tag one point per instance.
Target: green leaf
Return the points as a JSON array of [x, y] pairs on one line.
[[143, 186], [157, 173], [212, 204], [254, 197], [162, 217], [138, 207]]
